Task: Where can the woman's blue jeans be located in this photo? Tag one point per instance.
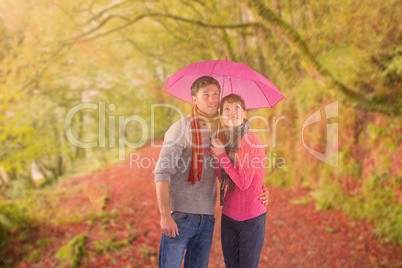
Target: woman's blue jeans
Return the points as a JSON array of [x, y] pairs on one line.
[[195, 236], [242, 241]]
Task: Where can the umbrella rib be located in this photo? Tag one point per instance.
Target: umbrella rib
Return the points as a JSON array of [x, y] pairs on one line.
[[174, 83], [223, 87], [179, 98], [263, 94], [262, 91]]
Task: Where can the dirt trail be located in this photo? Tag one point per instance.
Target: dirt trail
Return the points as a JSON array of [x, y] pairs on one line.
[[120, 202]]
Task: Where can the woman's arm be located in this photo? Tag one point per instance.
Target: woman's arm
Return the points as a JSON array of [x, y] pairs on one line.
[[249, 163]]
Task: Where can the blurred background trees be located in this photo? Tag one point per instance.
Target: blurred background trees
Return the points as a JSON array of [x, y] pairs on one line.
[[57, 54]]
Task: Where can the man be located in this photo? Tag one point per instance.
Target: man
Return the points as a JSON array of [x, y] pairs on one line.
[[185, 181]]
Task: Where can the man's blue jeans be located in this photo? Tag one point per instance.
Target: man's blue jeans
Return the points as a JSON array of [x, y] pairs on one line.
[[195, 236]]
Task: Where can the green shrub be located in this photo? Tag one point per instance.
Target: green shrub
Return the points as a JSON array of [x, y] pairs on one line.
[[12, 217], [146, 253], [301, 201], [104, 246], [330, 196], [283, 177], [44, 243], [375, 202], [74, 250], [34, 255]]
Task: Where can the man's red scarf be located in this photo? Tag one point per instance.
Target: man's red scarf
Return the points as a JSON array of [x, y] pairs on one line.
[[196, 163]]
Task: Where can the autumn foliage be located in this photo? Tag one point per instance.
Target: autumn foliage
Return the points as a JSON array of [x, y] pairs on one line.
[[110, 219]]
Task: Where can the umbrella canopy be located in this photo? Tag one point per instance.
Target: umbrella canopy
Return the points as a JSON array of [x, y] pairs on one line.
[[256, 90]]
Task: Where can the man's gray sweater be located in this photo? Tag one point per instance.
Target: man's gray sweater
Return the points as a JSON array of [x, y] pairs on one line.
[[174, 166]]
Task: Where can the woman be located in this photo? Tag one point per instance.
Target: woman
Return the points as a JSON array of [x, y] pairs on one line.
[[241, 156]]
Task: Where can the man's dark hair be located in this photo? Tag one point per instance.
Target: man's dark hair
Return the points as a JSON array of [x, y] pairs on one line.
[[204, 81]]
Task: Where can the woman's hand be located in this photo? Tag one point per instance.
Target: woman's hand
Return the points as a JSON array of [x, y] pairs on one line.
[[217, 147], [264, 197]]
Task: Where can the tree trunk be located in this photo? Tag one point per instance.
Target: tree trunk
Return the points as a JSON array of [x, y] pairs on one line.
[[349, 97], [60, 166], [42, 170], [3, 187], [30, 180]]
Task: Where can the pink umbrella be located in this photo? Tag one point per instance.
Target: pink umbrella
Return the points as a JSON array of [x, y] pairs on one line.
[[256, 90]]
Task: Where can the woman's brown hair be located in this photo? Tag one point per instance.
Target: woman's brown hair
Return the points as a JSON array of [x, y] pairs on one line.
[[233, 98]]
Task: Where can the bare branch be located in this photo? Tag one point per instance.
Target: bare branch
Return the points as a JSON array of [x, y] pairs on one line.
[[160, 15], [186, 3], [161, 22], [353, 98], [100, 25], [98, 15], [139, 49]]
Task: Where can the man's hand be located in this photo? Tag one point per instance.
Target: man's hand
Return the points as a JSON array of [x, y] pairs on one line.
[[217, 147], [169, 226], [264, 197]]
